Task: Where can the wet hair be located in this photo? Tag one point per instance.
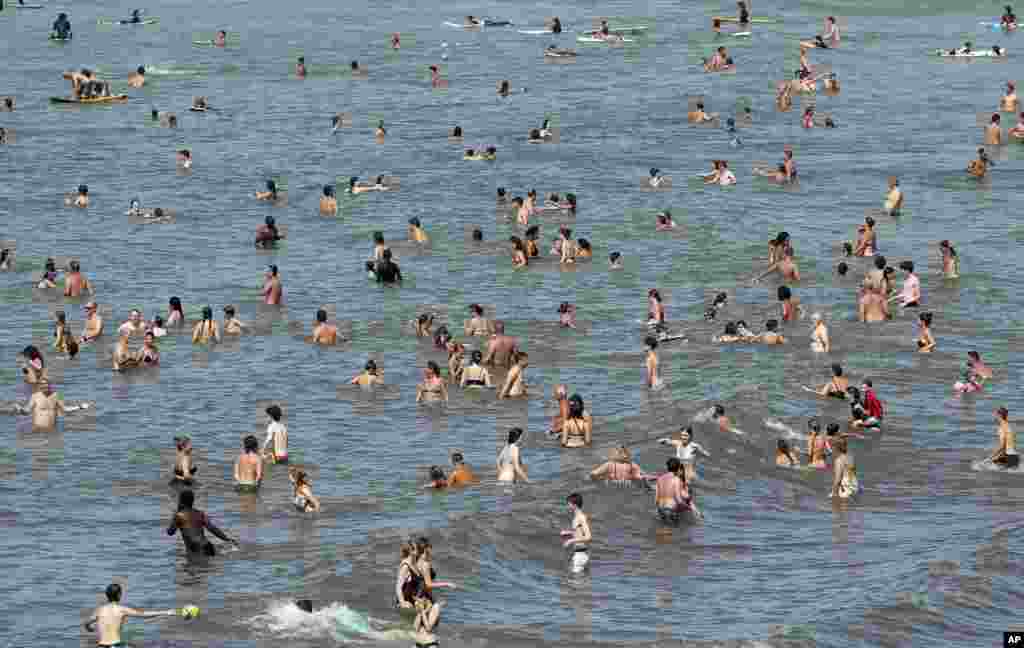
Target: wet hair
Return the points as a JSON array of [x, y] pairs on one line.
[[949, 246], [305, 605], [457, 131], [653, 292], [813, 425], [730, 328], [651, 341], [355, 65], [854, 394], [175, 304], [842, 268], [888, 271], [457, 457], [771, 325], [321, 315], [584, 244], [700, 105], [273, 269], [880, 262], [575, 406], [514, 435], [784, 293], [571, 199], [535, 133], [907, 265], [575, 499], [476, 357], [113, 592], [186, 499], [251, 444], [61, 316], [614, 256], [478, 235], [436, 474], [719, 411], [781, 237], [837, 369], [1003, 413], [371, 366], [532, 232], [328, 191], [926, 318], [832, 429], [386, 254], [501, 192], [434, 368], [673, 464], [414, 221], [83, 189], [272, 187], [207, 313]]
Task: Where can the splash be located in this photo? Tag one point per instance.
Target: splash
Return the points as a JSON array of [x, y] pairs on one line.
[[336, 621], [985, 465]]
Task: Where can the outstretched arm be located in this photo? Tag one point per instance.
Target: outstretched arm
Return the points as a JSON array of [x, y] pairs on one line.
[[217, 532]]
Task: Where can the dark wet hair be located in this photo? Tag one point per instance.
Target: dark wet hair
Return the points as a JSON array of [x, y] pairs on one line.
[[842, 268], [328, 191], [113, 591], [457, 131], [535, 133], [371, 366], [305, 605], [575, 406], [584, 244], [614, 256], [784, 293], [719, 411], [673, 464], [880, 262], [478, 235], [386, 254], [433, 367], [32, 353], [272, 187], [514, 435], [207, 313], [783, 445], [575, 499], [1003, 413], [926, 318], [414, 221], [321, 315], [436, 474], [355, 65], [730, 328], [907, 265], [651, 341], [771, 325], [832, 429], [837, 369], [501, 192], [83, 189], [229, 311], [251, 444], [175, 304], [476, 357], [813, 424], [457, 457], [61, 316]]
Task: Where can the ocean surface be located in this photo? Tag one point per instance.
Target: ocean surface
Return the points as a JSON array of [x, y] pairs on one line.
[[930, 555]]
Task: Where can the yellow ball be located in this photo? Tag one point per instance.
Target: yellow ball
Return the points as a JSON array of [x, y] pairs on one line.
[[190, 611]]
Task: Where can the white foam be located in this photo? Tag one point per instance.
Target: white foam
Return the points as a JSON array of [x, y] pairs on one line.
[[337, 621], [985, 465]]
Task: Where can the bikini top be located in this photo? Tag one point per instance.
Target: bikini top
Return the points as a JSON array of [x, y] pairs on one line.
[[575, 428]]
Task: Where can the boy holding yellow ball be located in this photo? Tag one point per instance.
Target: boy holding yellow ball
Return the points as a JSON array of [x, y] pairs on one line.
[[110, 617]]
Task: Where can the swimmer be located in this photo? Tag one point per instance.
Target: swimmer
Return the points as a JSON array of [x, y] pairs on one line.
[[911, 293], [808, 118], [108, 619], [652, 379], [249, 466], [477, 324], [156, 327], [7, 105], [355, 188], [75, 283], [993, 132], [232, 325], [664, 221], [183, 468], [872, 306], [925, 340], [785, 455], [433, 386], [273, 291], [894, 197], [193, 524], [867, 242], [842, 268], [820, 342], [950, 260], [724, 422], [836, 387], [437, 479], [725, 177], [64, 341], [270, 193], [515, 381], [93, 323], [138, 78], [579, 536], [1009, 102], [387, 271], [771, 333], [620, 469], [48, 280], [185, 159], [859, 416], [45, 406], [509, 465], [461, 475], [655, 179], [302, 493], [175, 313], [501, 347], [199, 104], [789, 164], [615, 261], [583, 249], [686, 450], [697, 115], [416, 232], [567, 315], [844, 472], [370, 376], [220, 40], [979, 167], [831, 32], [577, 426], [671, 494], [134, 325], [475, 375], [531, 235], [328, 203], [717, 61], [81, 199], [207, 329], [1005, 453], [817, 446], [323, 333], [300, 67], [396, 41], [742, 13], [380, 132]]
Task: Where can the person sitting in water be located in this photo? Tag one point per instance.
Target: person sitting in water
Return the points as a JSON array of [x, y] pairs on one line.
[[697, 115], [836, 387], [303, 497], [664, 221], [979, 167], [267, 234], [62, 27], [270, 193], [138, 78], [1008, 20]]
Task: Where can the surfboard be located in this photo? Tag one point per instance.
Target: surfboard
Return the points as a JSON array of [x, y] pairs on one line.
[[627, 29], [535, 32], [458, 26], [981, 54], [734, 19], [92, 100], [591, 39], [144, 21]]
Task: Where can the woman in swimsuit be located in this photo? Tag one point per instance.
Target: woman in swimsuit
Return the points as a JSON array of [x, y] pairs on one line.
[[428, 614], [515, 380], [64, 342], [619, 469], [655, 310], [819, 337], [950, 260], [844, 472], [304, 499], [474, 375], [1005, 453], [925, 341], [34, 369], [175, 313], [416, 232], [686, 451], [510, 467], [423, 324], [578, 427], [567, 246], [777, 248], [519, 257], [664, 221], [653, 380], [370, 376], [183, 468], [816, 445], [207, 329], [456, 358], [836, 387], [432, 387], [424, 565], [477, 324], [149, 355], [531, 235], [785, 455], [409, 583], [790, 304]]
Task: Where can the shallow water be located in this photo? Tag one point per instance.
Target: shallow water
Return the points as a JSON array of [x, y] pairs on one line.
[[926, 555]]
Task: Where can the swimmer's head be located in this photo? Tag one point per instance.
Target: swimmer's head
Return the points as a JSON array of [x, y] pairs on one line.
[[575, 500], [719, 411], [272, 269], [321, 316], [457, 131], [491, 150], [813, 425], [783, 445], [614, 257], [731, 329], [535, 133], [436, 474], [854, 393], [414, 221], [251, 444], [571, 199], [271, 186], [651, 342], [134, 204], [158, 321], [514, 435], [229, 311], [771, 325], [880, 262], [371, 366], [832, 429], [175, 304], [655, 172], [305, 605], [673, 464], [584, 244], [83, 189], [1003, 413], [269, 220], [329, 191], [477, 357], [113, 590], [907, 266], [654, 294], [926, 318], [207, 313], [386, 254], [499, 327], [478, 235], [842, 268], [837, 370], [301, 60]]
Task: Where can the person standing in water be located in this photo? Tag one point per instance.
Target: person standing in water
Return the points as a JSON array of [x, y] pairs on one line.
[[193, 523], [579, 536], [894, 197], [323, 333], [844, 472], [509, 464], [45, 406], [109, 618], [653, 380], [277, 435], [183, 468], [304, 499], [249, 466], [1005, 453], [428, 615], [272, 289], [687, 451]]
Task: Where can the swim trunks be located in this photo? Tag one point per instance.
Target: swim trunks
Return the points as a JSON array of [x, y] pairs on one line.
[[248, 487], [1010, 461], [580, 558], [668, 514], [283, 459], [113, 645]]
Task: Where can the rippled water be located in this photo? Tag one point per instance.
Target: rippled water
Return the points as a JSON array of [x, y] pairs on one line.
[[927, 555]]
